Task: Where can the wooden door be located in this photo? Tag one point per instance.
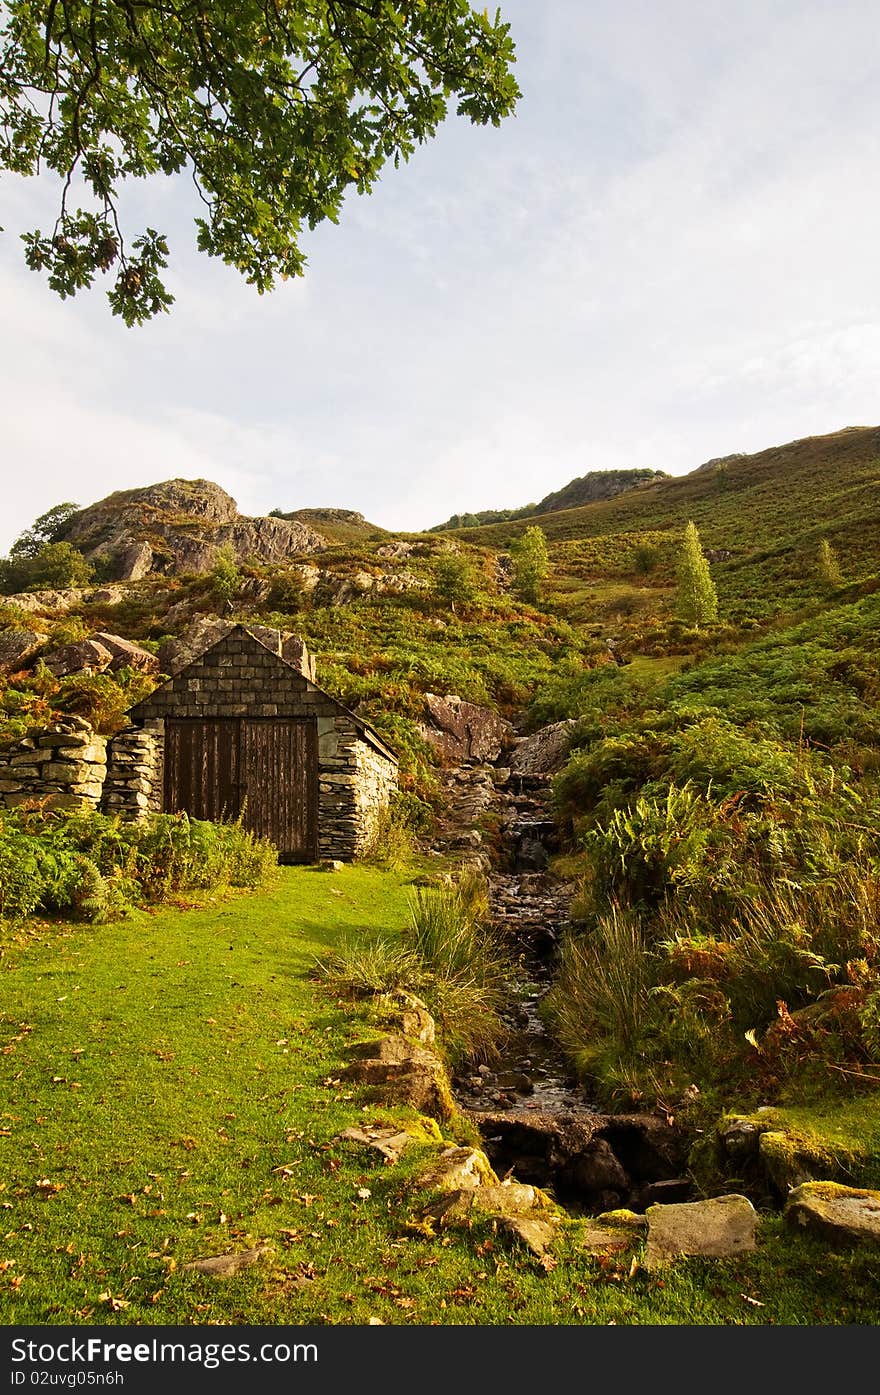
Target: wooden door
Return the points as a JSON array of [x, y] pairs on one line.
[[278, 766], [264, 771], [201, 767]]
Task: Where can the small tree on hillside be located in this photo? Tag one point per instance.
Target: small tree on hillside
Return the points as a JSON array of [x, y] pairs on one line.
[[225, 576], [697, 598], [454, 580], [829, 567], [530, 563]]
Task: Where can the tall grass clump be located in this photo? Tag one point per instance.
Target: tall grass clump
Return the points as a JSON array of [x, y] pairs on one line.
[[449, 955], [600, 1007]]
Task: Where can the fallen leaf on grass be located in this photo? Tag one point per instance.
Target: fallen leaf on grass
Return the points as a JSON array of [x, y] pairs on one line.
[[115, 1304], [48, 1188]]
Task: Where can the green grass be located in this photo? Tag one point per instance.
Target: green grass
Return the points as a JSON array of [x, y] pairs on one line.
[[171, 1090]]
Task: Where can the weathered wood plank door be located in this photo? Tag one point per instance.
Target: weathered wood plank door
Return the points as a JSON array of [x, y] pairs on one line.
[[278, 765], [264, 770]]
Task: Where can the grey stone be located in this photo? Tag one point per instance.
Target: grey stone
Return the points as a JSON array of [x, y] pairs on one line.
[[543, 753], [19, 648], [723, 1225], [225, 1266], [390, 1143], [125, 654], [462, 731], [85, 654]]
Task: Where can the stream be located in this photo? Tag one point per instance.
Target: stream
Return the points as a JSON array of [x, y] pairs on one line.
[[537, 1121]]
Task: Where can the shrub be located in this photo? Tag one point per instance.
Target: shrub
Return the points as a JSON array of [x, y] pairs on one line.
[[697, 599], [95, 867], [530, 563]]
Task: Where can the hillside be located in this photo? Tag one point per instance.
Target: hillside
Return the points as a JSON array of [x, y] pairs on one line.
[[654, 892]]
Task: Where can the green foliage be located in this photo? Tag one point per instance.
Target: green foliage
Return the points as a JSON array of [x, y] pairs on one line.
[[225, 576], [53, 566], [601, 1006], [48, 528], [697, 598], [454, 580], [449, 956], [95, 867], [286, 592], [277, 114], [828, 565], [530, 563], [645, 559]]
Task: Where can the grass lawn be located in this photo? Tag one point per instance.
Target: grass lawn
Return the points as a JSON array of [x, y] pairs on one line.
[[170, 1091]]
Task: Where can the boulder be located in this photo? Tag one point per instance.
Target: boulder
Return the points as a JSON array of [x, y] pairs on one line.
[[458, 1170], [462, 732], [402, 1071], [842, 1215], [126, 654], [59, 602], [389, 1143], [536, 1233], [85, 655], [721, 1226], [543, 753], [134, 562], [407, 1014], [19, 648], [788, 1163]]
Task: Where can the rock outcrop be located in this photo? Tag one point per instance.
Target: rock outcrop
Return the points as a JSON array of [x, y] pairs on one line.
[[402, 1071], [544, 752], [101, 651], [19, 648], [461, 732], [179, 526]]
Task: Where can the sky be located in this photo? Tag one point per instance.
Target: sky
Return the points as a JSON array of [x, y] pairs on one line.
[[670, 253]]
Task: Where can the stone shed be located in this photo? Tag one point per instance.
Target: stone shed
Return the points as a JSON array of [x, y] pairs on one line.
[[243, 731]]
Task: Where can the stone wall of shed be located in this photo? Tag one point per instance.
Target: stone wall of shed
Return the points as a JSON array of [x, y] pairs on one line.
[[64, 768], [136, 771], [376, 780], [354, 786]]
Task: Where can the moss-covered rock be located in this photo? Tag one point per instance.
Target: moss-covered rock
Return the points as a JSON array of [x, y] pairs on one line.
[[842, 1215]]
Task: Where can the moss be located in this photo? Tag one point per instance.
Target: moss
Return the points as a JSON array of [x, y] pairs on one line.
[[623, 1220]]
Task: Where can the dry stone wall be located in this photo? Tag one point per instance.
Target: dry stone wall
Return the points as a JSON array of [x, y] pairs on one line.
[[63, 767], [135, 771]]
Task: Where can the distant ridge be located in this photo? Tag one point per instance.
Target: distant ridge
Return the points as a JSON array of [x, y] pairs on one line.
[[585, 489]]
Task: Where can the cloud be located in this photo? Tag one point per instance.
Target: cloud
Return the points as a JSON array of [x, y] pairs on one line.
[[668, 254]]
